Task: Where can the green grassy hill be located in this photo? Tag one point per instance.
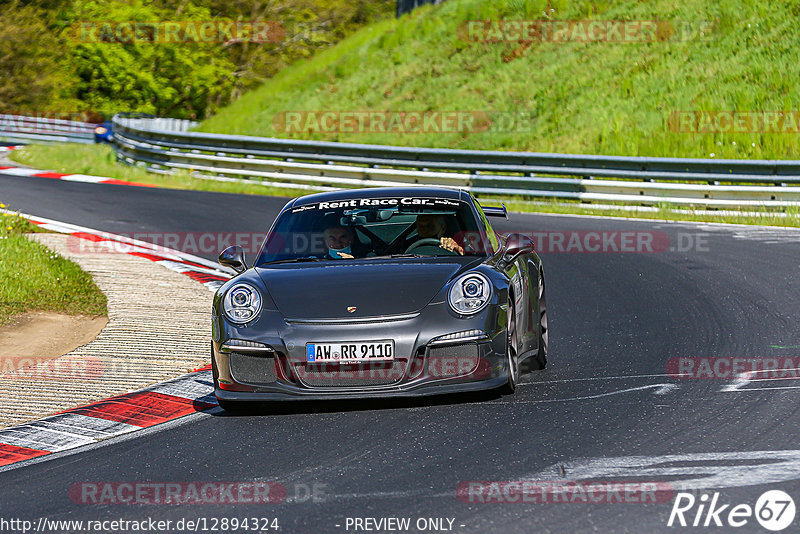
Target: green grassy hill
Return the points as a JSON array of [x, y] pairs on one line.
[[580, 97]]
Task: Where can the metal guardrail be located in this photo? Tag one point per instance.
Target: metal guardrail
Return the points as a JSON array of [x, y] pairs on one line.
[[22, 129], [164, 145]]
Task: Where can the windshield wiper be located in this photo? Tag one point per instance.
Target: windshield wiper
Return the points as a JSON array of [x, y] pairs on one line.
[[399, 255], [293, 260]]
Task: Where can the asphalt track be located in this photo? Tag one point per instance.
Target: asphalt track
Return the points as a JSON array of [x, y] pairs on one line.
[[616, 320]]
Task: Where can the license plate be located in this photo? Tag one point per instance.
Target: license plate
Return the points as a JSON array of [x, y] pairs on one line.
[[352, 351]]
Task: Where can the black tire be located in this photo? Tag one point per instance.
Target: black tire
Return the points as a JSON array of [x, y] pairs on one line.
[[512, 359], [541, 356]]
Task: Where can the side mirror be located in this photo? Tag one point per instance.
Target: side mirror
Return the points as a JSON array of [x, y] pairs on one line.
[[233, 257], [517, 244]]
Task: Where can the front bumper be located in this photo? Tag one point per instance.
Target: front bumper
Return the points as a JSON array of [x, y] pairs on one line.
[[424, 363]]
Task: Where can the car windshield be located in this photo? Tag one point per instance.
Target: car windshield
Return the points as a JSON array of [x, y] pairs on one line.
[[364, 228]]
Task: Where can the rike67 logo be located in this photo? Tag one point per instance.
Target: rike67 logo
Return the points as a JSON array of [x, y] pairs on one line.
[[774, 510], [698, 479]]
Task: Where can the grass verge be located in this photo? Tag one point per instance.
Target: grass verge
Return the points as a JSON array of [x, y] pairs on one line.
[[570, 94], [99, 160], [34, 278]]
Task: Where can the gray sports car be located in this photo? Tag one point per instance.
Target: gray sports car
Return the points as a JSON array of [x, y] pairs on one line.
[[379, 293]]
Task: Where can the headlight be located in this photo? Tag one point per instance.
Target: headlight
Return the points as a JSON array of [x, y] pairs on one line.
[[242, 303], [470, 294]]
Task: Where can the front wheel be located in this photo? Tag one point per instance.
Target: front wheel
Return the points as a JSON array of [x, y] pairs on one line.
[[538, 361], [541, 356], [512, 361]]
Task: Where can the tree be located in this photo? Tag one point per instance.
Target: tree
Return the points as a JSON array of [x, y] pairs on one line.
[[51, 59], [32, 76]]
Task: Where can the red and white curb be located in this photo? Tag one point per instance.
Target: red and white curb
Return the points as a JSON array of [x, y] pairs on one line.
[[38, 173], [108, 418], [200, 269], [129, 412]]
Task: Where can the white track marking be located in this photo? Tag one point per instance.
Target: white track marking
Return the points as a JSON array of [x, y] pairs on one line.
[[740, 381], [17, 171], [83, 178], [663, 389], [764, 234], [751, 468], [622, 377], [197, 387], [84, 425], [747, 377], [183, 268], [767, 389], [43, 439]]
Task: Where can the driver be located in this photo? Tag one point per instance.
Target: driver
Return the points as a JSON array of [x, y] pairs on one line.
[[434, 226], [339, 240]]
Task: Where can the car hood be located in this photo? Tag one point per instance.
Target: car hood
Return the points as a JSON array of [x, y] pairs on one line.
[[374, 288]]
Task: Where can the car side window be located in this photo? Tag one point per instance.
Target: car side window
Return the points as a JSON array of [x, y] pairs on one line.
[[494, 242]]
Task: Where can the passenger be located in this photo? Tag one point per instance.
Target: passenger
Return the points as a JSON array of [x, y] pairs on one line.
[[434, 226]]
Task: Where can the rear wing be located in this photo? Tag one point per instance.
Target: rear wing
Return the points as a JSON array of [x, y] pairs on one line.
[[495, 211]]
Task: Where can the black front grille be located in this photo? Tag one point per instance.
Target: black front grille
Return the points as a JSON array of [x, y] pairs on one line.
[[252, 369], [349, 375], [453, 360]]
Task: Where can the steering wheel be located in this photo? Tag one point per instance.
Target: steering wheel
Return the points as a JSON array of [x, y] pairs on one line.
[[427, 242]]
